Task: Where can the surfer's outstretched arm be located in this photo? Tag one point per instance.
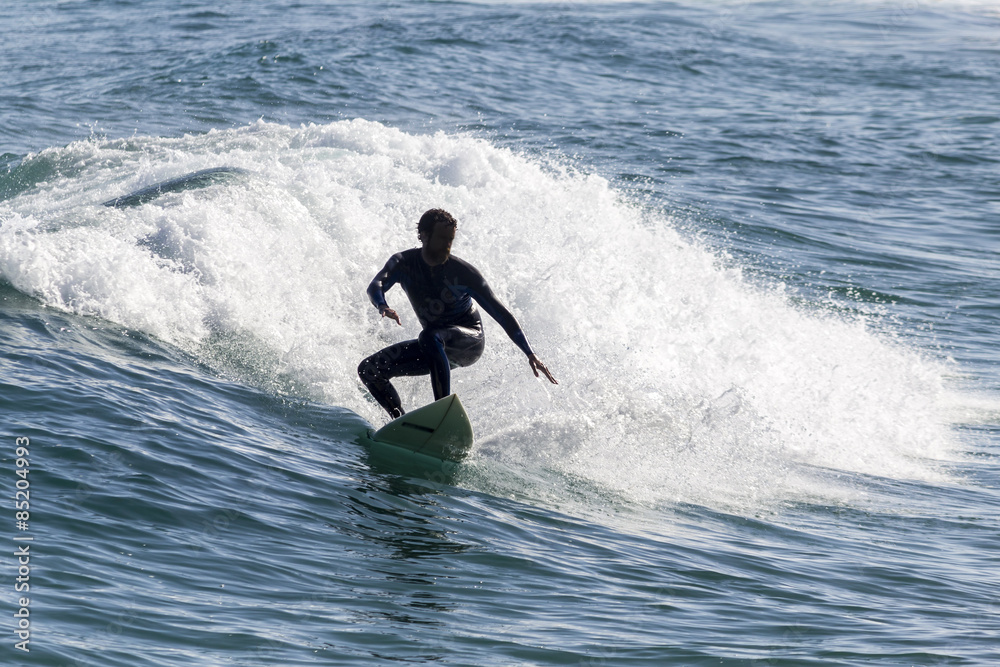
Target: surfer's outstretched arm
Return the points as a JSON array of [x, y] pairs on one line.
[[537, 365], [383, 281], [484, 296]]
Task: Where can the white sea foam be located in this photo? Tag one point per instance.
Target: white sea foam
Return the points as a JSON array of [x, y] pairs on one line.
[[679, 380]]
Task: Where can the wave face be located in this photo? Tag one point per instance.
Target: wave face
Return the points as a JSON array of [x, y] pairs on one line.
[[681, 380]]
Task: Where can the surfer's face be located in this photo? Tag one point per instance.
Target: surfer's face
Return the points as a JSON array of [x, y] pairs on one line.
[[440, 239]]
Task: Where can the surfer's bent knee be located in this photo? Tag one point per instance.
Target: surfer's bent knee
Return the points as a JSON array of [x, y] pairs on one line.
[[368, 369]]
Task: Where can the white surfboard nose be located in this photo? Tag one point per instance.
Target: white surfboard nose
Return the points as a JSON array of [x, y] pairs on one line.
[[441, 429]]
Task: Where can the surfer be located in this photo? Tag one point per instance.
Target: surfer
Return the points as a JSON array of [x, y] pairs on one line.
[[440, 288]]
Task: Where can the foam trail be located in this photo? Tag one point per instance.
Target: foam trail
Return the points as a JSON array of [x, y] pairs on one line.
[[679, 380]]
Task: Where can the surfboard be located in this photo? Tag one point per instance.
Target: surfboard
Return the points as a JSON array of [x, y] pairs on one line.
[[441, 430]]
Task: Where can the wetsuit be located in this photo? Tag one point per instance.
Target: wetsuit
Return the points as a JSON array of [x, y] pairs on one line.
[[452, 334]]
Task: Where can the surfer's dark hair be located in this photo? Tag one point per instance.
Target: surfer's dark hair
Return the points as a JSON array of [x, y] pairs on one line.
[[431, 218]]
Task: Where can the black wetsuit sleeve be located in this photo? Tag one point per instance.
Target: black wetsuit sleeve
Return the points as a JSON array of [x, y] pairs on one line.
[[484, 296], [382, 281]]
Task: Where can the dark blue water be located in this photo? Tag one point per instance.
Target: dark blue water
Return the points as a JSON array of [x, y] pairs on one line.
[[756, 242]]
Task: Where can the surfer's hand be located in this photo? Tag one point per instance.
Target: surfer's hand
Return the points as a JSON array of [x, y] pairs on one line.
[[391, 314], [537, 365]]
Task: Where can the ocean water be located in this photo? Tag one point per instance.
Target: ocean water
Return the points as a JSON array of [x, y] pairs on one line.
[[756, 242]]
